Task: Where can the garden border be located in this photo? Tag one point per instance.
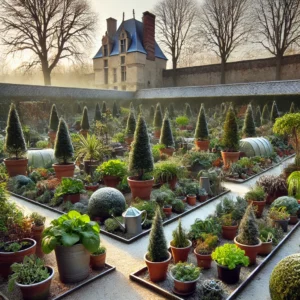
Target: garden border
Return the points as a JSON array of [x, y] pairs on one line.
[[149, 285]]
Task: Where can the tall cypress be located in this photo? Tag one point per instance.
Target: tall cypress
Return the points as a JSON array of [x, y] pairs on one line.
[[158, 118], [201, 132], [166, 136], [249, 126], [292, 108], [104, 109], [274, 112], [265, 117], [258, 117], [230, 138], [115, 111], [97, 113], [54, 120], [85, 124]]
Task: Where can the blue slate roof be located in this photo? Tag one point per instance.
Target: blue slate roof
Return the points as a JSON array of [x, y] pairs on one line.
[[134, 30]]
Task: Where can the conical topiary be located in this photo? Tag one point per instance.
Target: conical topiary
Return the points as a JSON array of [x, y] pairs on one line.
[[230, 140], [292, 108], [152, 112], [97, 113], [140, 157], [265, 117], [115, 111], [54, 120], [274, 112], [188, 111], [104, 109], [258, 117], [166, 136], [248, 229], [201, 132], [85, 124], [63, 148], [14, 144], [131, 107], [158, 118], [171, 111], [140, 109], [157, 248], [131, 124], [249, 126], [79, 111]]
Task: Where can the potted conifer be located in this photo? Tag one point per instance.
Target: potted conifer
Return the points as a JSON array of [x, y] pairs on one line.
[[230, 140], [97, 113], [158, 257], [274, 112], [85, 124], [157, 121], [53, 124], [141, 162], [248, 237], [258, 117], [257, 197], [265, 116], [249, 125], [63, 152], [130, 127], [201, 132], [166, 137], [15, 145]]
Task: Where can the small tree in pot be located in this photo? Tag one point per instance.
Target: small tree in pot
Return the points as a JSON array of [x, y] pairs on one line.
[[85, 124], [201, 132], [53, 124], [141, 162], [249, 126], [166, 137], [130, 127], [257, 197], [158, 257], [157, 121], [15, 145]]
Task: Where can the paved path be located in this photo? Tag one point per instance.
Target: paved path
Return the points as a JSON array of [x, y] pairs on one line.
[[129, 258]]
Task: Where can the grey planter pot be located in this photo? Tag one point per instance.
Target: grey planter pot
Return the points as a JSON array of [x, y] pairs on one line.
[[73, 263]]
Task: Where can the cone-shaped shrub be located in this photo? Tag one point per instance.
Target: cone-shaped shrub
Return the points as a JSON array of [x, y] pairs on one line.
[[166, 136], [115, 111], [157, 248], [248, 229], [131, 107], [230, 139], [85, 124], [79, 111], [188, 111], [15, 144], [201, 132], [63, 148], [152, 112], [258, 117], [249, 126], [140, 157], [54, 120], [104, 109], [158, 118], [274, 112], [140, 109], [97, 113], [131, 124], [172, 111], [265, 117], [292, 108]]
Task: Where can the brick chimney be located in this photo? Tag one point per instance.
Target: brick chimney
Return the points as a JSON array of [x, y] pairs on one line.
[[149, 34], [111, 27]]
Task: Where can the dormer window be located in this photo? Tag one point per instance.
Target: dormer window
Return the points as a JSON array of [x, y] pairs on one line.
[[123, 45], [124, 41]]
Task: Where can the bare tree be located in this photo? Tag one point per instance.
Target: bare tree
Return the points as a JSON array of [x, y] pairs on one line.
[[278, 27], [224, 25], [175, 19], [50, 29]]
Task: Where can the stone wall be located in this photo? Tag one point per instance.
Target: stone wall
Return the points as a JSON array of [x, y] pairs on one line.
[[236, 72]]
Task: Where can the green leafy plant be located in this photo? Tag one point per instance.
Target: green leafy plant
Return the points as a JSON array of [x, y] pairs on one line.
[[185, 272], [201, 228], [158, 118], [99, 251], [206, 245], [278, 213], [42, 144], [230, 140], [256, 193], [293, 182], [229, 255], [291, 204], [167, 170], [182, 120], [113, 167], [249, 126], [69, 186], [71, 229], [37, 219], [180, 238], [201, 132], [166, 137], [54, 120]]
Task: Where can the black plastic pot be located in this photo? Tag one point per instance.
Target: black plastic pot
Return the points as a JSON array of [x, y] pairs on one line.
[[229, 276]]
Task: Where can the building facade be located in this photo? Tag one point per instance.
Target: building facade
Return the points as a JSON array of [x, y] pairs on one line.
[[129, 57]]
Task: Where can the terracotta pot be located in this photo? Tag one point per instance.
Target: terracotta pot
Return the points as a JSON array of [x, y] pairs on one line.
[[140, 188], [52, 136], [228, 276], [167, 151], [184, 287], [167, 211], [92, 188], [265, 248], [111, 181], [202, 145], [73, 198], [250, 250], [203, 261], [16, 166], [180, 254], [157, 134], [63, 170], [157, 270], [171, 182], [97, 262], [229, 158], [258, 207], [128, 140], [84, 132], [282, 223], [37, 232], [203, 198], [90, 165], [191, 200], [293, 220], [229, 232], [8, 258], [37, 291]]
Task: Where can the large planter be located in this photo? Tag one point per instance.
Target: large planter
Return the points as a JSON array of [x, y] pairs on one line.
[[184, 288], [16, 166], [202, 145], [37, 291], [229, 158], [157, 270], [140, 188], [73, 263], [73, 198], [228, 276], [90, 165], [265, 248], [258, 207], [97, 262], [111, 181], [167, 151], [8, 258], [180, 254], [64, 170], [229, 232], [37, 232], [282, 223], [203, 261], [250, 250]]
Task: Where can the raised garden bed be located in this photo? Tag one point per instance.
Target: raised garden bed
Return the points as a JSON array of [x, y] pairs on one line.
[[165, 288], [58, 290]]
